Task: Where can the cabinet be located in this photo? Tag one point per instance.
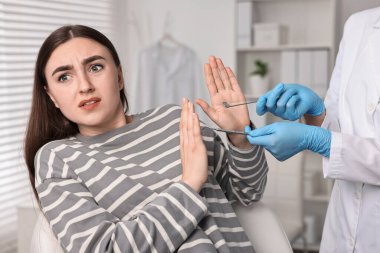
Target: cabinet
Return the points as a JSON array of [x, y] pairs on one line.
[[310, 29], [316, 194], [310, 34]]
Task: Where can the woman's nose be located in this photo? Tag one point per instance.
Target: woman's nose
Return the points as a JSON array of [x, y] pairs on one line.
[[85, 85], [88, 89]]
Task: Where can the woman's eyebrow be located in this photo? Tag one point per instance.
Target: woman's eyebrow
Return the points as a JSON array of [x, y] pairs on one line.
[[84, 62], [62, 68], [92, 58]]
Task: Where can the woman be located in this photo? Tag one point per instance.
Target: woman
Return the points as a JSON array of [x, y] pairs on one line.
[[344, 129], [151, 182]]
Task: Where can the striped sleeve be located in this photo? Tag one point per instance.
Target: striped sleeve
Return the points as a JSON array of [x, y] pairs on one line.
[[242, 174], [81, 225]]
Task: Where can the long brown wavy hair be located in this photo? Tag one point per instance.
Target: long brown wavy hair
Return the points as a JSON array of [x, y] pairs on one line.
[[46, 122]]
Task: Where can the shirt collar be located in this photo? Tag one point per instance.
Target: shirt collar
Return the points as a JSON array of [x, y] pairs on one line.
[[377, 24]]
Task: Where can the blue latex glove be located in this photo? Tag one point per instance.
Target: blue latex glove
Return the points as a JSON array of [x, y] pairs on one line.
[[290, 101], [285, 139]]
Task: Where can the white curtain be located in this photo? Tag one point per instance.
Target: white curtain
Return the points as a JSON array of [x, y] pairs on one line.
[[24, 24]]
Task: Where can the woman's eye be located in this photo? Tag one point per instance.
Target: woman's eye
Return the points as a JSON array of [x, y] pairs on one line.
[[63, 78], [96, 68]]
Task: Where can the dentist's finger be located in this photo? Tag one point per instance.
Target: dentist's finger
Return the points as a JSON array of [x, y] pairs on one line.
[[261, 131], [284, 99], [261, 107], [264, 141], [291, 106], [274, 95], [247, 129]]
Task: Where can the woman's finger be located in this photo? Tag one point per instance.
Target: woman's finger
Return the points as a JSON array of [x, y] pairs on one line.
[[211, 86], [185, 128], [215, 74], [182, 129], [234, 83], [210, 111], [197, 128], [190, 134], [223, 74]]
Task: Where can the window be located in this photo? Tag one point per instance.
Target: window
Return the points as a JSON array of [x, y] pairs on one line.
[[24, 24]]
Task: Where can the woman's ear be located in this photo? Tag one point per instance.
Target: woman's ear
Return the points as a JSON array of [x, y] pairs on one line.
[[51, 96], [120, 78]]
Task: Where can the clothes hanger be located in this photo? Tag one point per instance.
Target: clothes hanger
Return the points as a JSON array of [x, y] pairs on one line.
[[167, 39]]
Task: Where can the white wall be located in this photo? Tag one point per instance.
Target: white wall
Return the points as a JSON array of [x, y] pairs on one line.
[[347, 7], [205, 26], [120, 39], [289, 14]]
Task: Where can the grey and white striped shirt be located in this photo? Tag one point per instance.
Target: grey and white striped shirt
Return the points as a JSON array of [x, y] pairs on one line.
[[121, 191]]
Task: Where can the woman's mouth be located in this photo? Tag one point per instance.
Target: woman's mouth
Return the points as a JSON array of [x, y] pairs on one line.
[[89, 104]]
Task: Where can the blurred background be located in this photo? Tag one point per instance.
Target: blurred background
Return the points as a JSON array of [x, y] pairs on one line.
[[163, 45]]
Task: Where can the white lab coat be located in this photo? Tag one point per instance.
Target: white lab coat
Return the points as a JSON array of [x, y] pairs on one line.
[[166, 75], [353, 115]]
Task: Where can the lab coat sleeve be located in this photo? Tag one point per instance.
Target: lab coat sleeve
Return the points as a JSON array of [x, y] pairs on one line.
[[352, 158], [331, 120]]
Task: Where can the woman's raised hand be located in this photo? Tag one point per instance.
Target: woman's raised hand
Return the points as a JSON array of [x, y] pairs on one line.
[[223, 87], [193, 150]]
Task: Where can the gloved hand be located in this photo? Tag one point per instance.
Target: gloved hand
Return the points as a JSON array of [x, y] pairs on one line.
[[285, 139], [290, 101]]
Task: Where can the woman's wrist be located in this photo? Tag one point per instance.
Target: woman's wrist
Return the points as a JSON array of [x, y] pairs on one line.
[[239, 141], [196, 186]]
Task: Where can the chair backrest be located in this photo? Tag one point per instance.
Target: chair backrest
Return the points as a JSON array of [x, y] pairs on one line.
[[260, 223], [262, 228], [284, 192], [43, 239], [26, 220]]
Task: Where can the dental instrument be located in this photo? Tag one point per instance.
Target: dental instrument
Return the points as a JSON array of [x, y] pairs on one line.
[[253, 100]]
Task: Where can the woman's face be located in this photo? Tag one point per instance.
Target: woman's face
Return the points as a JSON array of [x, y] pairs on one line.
[[84, 83]]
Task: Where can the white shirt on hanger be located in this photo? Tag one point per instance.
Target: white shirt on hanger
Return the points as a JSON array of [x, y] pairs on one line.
[[166, 75]]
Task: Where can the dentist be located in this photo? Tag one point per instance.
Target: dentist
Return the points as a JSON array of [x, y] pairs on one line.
[[344, 129]]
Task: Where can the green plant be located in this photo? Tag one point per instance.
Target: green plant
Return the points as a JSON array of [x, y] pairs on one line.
[[261, 68]]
